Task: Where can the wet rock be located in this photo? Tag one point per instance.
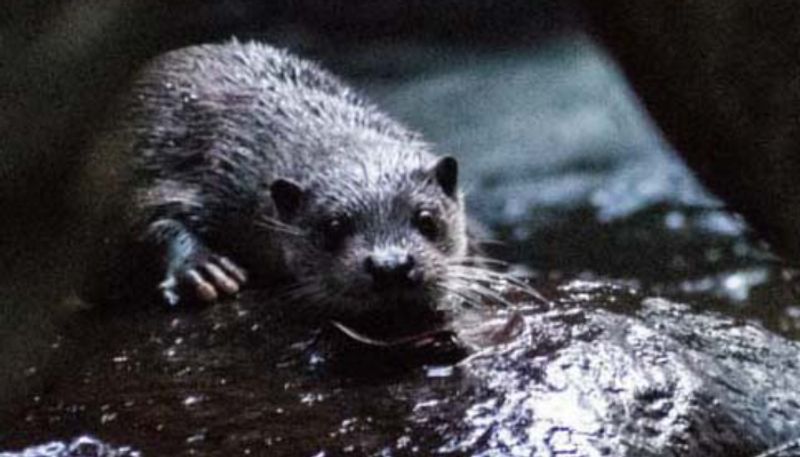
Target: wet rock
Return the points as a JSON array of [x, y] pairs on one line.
[[83, 446], [602, 369], [720, 79], [644, 376]]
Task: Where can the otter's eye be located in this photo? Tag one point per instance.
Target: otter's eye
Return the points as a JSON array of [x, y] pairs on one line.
[[425, 222], [334, 231]]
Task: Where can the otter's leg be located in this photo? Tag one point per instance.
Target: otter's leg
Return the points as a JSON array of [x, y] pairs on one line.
[[192, 271]]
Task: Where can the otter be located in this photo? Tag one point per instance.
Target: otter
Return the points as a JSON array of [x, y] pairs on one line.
[[251, 165]]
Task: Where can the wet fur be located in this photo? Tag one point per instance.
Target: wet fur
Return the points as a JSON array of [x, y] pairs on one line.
[[211, 127]]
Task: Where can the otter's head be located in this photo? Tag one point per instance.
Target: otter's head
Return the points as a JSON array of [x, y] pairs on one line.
[[373, 247]]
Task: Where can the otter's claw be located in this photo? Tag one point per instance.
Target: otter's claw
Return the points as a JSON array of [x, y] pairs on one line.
[[205, 281]]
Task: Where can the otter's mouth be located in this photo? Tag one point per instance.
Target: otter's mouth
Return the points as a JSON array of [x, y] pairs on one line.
[[389, 322], [379, 354], [421, 340]]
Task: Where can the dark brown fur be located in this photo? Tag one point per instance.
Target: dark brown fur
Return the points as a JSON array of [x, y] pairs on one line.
[[250, 162]]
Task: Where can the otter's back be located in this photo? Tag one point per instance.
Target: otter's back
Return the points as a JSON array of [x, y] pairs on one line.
[[246, 112]]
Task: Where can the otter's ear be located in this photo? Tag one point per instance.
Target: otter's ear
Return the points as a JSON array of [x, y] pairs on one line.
[[445, 172], [288, 197]]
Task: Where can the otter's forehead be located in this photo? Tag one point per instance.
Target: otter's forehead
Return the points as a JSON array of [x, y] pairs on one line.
[[368, 160], [379, 185]]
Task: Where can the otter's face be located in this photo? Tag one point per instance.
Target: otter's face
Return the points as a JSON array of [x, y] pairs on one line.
[[374, 249]]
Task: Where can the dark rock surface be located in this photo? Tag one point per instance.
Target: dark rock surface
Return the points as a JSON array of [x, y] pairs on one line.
[[659, 381], [602, 370], [720, 78]]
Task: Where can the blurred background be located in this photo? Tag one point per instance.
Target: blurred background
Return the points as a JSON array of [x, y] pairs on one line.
[[560, 159]]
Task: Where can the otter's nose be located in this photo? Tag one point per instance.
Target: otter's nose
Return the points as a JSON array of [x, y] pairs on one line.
[[391, 268]]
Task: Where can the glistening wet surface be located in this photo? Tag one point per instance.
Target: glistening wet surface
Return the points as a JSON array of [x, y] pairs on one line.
[[231, 380], [559, 163]]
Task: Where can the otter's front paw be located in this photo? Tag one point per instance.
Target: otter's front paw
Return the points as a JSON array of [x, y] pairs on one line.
[[202, 279]]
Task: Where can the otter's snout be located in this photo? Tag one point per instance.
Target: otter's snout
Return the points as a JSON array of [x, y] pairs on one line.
[[392, 267]]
